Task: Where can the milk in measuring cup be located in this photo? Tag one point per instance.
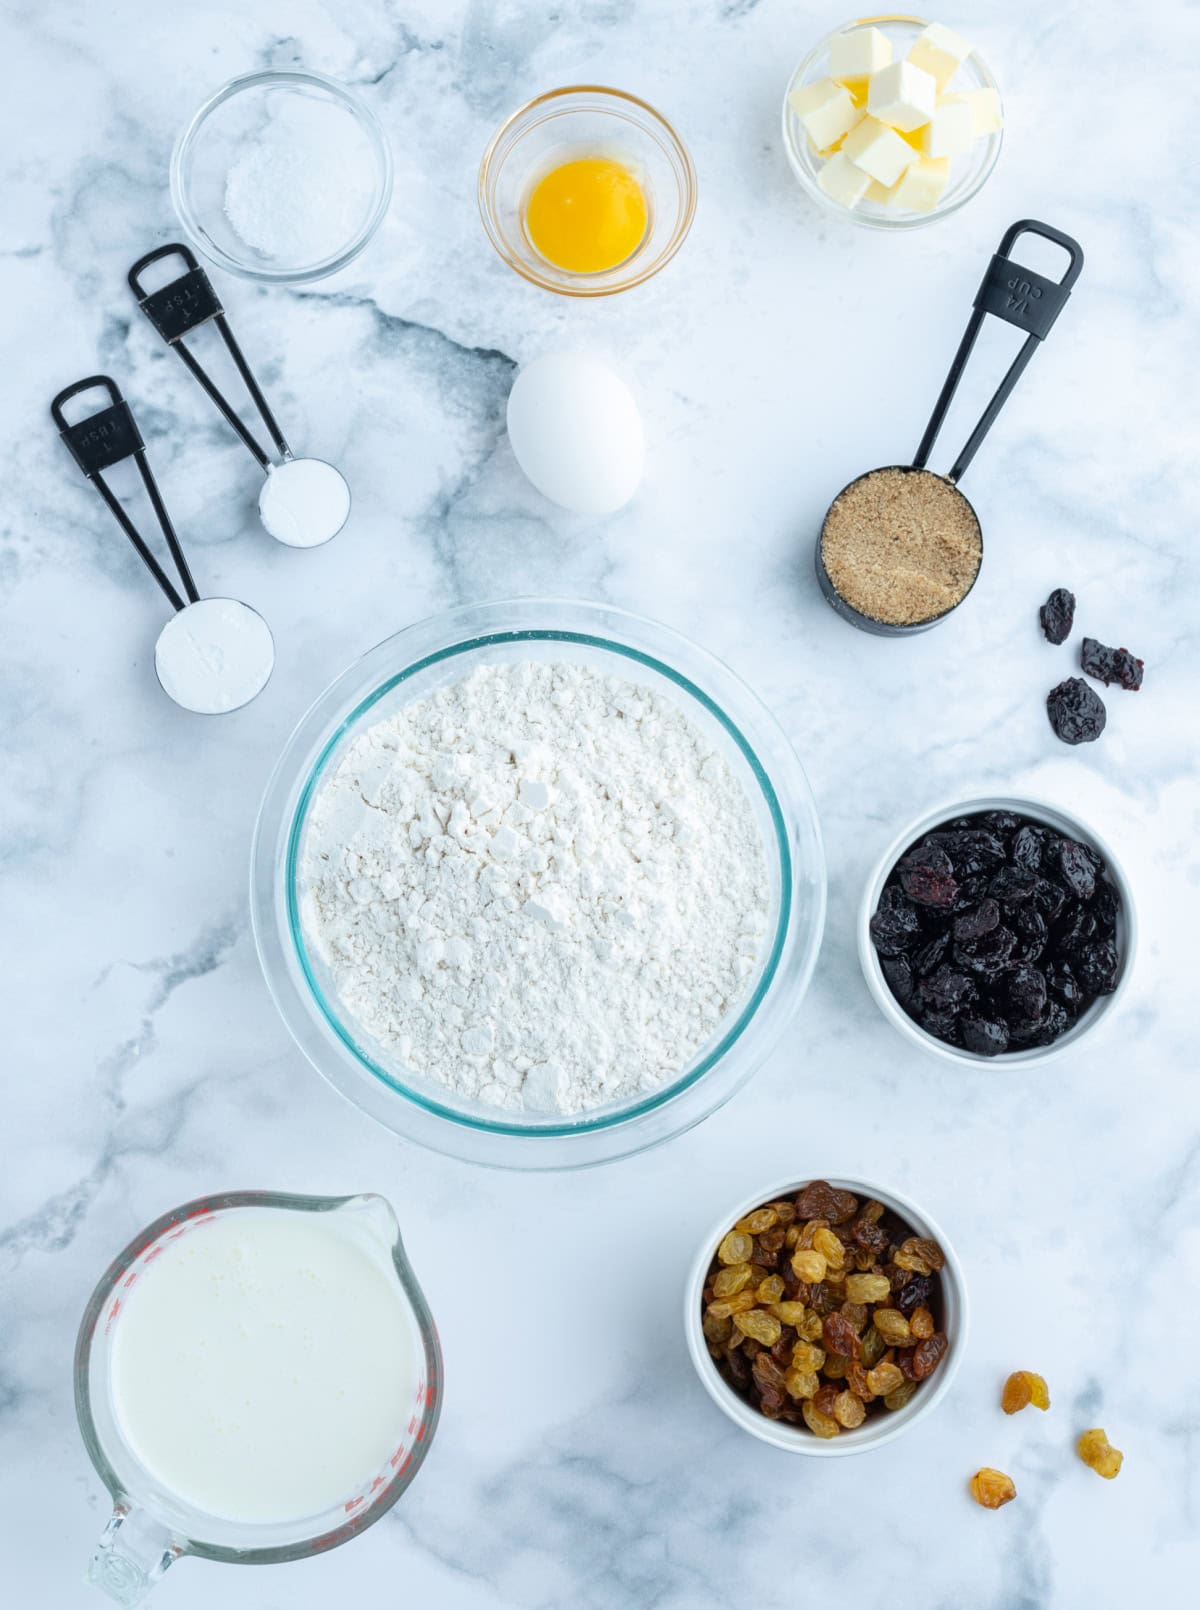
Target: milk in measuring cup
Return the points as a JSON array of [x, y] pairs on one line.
[[264, 1365]]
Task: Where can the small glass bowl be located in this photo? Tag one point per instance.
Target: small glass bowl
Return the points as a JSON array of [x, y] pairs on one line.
[[586, 120], [234, 122], [440, 651], [968, 173]]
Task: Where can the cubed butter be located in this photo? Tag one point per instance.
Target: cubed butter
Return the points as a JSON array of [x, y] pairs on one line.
[[829, 149], [858, 89], [858, 53], [826, 110], [881, 194], [949, 131], [939, 52], [879, 150], [842, 181], [921, 188], [986, 116], [902, 95]]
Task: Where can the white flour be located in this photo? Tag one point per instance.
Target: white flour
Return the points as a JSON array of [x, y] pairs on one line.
[[540, 887]]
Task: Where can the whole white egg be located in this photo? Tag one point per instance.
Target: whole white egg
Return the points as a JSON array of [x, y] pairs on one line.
[[576, 432]]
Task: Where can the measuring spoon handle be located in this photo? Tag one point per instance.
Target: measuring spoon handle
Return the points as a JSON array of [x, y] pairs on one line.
[[1021, 297]]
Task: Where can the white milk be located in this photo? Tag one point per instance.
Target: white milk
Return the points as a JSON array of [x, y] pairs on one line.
[[265, 1366]]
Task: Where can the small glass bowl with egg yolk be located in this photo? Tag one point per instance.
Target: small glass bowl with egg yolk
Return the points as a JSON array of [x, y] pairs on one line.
[[586, 191]]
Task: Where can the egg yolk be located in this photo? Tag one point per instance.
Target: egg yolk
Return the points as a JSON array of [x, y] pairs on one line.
[[587, 215]]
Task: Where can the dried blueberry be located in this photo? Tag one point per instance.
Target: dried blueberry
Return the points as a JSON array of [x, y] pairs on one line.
[[1077, 714], [986, 1037], [1057, 615], [974, 924], [1109, 665]]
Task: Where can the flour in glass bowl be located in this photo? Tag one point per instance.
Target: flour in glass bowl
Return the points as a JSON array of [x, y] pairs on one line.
[[540, 887]]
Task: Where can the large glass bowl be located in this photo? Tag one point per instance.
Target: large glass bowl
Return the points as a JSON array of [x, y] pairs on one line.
[[443, 650]]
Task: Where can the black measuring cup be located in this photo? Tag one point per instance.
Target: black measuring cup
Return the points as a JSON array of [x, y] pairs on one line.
[[1021, 297]]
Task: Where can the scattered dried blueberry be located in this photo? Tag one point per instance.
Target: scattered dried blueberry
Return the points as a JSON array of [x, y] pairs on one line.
[[1109, 665], [1024, 946], [1057, 615], [1076, 713]]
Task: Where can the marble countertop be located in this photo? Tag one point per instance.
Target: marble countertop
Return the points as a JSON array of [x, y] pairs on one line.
[[578, 1461]]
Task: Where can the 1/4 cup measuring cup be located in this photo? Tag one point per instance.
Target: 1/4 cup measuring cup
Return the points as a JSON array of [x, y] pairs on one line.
[[1021, 297], [151, 1525]]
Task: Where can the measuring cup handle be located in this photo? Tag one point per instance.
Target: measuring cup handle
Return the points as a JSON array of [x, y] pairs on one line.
[[132, 1555], [1020, 297]]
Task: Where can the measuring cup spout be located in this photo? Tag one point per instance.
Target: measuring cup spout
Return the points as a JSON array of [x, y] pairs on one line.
[[376, 1217], [131, 1555]]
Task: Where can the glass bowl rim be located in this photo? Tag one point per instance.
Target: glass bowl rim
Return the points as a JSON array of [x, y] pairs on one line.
[[367, 121], [693, 1072], [579, 287], [916, 220]]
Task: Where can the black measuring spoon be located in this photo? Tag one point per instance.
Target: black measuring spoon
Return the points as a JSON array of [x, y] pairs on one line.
[[214, 654], [304, 502], [1021, 297]]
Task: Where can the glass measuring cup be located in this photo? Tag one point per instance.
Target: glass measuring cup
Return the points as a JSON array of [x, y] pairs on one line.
[[151, 1527], [1021, 297]]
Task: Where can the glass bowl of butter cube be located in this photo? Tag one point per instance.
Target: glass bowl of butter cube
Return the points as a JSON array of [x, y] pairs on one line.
[[892, 122]]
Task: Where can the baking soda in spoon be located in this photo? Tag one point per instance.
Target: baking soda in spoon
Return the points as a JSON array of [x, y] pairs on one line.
[[304, 502], [215, 654]]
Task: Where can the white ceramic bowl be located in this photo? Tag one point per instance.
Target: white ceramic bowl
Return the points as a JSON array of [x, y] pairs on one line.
[[1039, 810], [876, 1429]]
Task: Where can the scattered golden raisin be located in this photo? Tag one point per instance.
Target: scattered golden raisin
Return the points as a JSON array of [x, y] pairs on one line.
[[737, 1247], [789, 1313], [921, 1323], [770, 1290], [737, 1304], [991, 1488], [764, 1328], [801, 1383], [763, 1218], [893, 1327], [821, 1425], [884, 1378], [825, 1242], [1099, 1454], [848, 1410], [1024, 1387], [868, 1288], [808, 1266], [727, 1282]]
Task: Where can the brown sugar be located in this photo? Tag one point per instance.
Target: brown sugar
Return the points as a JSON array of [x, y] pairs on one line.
[[901, 546]]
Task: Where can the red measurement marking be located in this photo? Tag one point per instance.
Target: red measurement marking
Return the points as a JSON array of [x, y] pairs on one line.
[[114, 1310], [129, 1279], [351, 1503], [155, 1252], [377, 1484], [412, 1425]]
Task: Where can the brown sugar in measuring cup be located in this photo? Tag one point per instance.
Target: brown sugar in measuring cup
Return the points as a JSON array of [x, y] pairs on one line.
[[901, 546]]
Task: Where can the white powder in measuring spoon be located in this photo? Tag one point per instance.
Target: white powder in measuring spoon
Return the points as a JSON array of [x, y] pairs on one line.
[[214, 656], [304, 502], [540, 887], [302, 191]]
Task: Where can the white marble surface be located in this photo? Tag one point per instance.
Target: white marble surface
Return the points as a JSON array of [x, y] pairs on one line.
[[578, 1461]]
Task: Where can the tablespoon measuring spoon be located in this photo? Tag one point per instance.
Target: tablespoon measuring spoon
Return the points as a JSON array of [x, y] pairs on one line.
[[304, 502], [214, 654]]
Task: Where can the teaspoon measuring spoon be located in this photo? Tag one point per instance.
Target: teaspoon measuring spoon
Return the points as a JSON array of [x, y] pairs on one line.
[[304, 502], [214, 654]]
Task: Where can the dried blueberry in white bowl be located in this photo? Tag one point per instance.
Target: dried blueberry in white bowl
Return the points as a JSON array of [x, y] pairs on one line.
[[997, 929]]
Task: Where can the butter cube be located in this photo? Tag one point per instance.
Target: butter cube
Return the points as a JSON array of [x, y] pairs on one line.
[[826, 110], [921, 188], [857, 88], [986, 116], [939, 52], [842, 181], [902, 95], [858, 53], [883, 195], [949, 131], [880, 151]]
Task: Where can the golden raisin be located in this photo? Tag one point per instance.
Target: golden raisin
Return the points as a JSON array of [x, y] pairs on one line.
[[725, 1306], [921, 1323], [808, 1266], [792, 1236], [856, 1313], [821, 1425], [991, 1488], [892, 1326], [716, 1331], [807, 1357], [763, 1218], [873, 1347], [770, 1290], [1023, 1387], [856, 1379], [825, 1242], [1099, 1454], [785, 1212], [884, 1378], [872, 1211], [899, 1395], [811, 1327], [737, 1247], [920, 1255], [733, 1278], [868, 1288], [801, 1383], [836, 1366], [848, 1410], [788, 1313], [809, 1230], [760, 1327]]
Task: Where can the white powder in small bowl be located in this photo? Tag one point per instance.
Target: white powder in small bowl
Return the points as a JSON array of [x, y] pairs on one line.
[[301, 192], [541, 887], [214, 656]]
